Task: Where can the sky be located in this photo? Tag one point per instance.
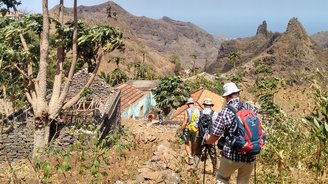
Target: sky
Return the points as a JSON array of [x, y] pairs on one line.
[[230, 18]]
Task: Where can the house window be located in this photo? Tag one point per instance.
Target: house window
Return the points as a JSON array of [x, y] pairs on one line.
[[141, 114]]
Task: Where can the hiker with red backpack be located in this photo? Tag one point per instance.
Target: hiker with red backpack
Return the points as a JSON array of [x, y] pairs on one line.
[[207, 117], [241, 137]]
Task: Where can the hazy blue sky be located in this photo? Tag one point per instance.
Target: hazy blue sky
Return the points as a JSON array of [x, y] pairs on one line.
[[231, 18]]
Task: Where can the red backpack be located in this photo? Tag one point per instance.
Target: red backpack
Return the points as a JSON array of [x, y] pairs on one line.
[[248, 137]]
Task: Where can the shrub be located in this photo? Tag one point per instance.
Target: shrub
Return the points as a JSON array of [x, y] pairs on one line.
[[170, 93]]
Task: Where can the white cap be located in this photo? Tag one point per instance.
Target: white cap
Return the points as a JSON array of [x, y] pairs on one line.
[[207, 101], [190, 101], [230, 88]]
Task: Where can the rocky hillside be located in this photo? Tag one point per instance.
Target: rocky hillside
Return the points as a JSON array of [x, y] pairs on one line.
[[321, 38], [286, 53], [158, 39]]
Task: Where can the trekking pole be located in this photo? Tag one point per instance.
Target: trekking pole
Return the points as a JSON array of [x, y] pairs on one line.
[[205, 154], [205, 163]]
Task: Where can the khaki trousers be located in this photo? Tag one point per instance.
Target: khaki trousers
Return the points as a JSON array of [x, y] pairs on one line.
[[227, 167]]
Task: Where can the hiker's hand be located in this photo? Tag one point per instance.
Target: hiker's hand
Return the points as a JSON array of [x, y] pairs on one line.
[[178, 132], [206, 137]]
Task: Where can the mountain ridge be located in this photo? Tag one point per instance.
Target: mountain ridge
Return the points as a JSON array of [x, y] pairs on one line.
[[158, 38], [292, 51]]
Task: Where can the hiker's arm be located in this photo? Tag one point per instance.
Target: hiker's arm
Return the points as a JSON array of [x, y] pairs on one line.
[[211, 139], [217, 128], [184, 122]]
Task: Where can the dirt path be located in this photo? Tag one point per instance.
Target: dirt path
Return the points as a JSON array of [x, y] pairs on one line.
[[166, 162]]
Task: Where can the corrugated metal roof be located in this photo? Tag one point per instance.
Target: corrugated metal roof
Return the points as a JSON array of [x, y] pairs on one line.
[[129, 95], [199, 97], [144, 85]]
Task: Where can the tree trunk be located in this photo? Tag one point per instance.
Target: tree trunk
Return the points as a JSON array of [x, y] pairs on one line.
[[41, 135], [41, 86], [38, 101]]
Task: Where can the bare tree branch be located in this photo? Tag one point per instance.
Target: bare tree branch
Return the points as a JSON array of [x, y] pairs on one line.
[[54, 104], [74, 61], [76, 98], [20, 71], [29, 65]]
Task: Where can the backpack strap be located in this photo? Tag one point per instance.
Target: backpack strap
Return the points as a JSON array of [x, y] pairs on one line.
[[233, 109], [212, 112], [200, 118]]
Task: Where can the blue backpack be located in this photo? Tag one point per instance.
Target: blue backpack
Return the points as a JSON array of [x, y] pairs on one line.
[[248, 137]]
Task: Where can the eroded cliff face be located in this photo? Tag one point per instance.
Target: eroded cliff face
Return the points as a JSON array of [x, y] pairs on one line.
[[247, 48], [158, 39], [286, 53]]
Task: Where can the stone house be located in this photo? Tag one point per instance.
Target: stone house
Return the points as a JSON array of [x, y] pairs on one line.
[[100, 108], [137, 99]]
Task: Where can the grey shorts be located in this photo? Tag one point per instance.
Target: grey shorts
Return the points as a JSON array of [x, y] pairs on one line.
[[186, 136]]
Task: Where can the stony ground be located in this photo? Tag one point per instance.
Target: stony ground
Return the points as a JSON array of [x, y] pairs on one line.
[[157, 158], [166, 163]]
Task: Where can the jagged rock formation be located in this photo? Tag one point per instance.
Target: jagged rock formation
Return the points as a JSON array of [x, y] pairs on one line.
[[290, 52], [159, 39], [262, 29], [247, 48]]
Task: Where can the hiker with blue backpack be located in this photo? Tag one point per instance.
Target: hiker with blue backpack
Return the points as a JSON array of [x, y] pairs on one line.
[[207, 116], [189, 129], [241, 134]]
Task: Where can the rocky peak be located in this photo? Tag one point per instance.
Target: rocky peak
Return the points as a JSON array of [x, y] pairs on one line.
[[296, 30], [262, 29]]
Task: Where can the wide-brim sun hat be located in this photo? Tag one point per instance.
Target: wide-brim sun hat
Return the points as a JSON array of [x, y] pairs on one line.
[[230, 88], [207, 101], [190, 101]]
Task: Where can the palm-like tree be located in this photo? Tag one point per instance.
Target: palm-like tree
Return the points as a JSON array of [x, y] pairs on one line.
[[194, 68], [233, 56]]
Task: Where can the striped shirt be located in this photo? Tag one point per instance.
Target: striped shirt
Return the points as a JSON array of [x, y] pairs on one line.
[[224, 123]]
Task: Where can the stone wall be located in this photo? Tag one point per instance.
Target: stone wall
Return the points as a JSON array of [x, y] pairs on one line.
[[105, 118], [112, 115], [17, 130], [16, 139]]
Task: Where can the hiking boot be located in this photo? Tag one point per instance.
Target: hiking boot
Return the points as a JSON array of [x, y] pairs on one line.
[[190, 160]]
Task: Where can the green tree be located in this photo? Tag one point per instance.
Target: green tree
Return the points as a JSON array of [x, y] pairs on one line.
[[318, 122], [170, 93], [195, 69], [29, 41], [176, 60], [5, 5], [143, 53], [233, 56], [215, 86], [117, 76], [141, 71]]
